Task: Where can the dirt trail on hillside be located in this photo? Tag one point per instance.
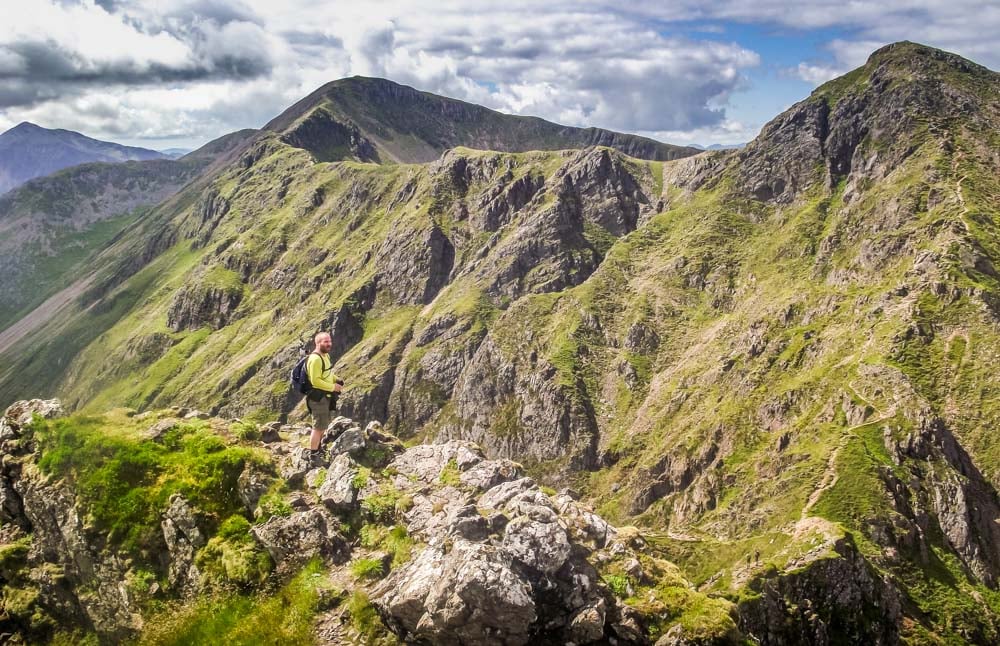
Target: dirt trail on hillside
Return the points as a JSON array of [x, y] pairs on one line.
[[42, 314]]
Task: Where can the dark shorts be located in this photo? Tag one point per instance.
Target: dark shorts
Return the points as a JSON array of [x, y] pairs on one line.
[[320, 404]]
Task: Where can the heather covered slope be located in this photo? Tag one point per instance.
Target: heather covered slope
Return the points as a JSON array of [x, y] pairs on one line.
[[778, 359]]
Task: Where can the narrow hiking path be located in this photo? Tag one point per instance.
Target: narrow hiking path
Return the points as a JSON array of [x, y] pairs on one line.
[[829, 479], [959, 193], [830, 474]]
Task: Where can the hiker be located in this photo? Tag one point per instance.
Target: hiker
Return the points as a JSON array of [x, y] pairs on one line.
[[324, 390]]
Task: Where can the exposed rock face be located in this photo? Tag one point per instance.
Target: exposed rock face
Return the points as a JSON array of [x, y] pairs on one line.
[[782, 161], [60, 536], [956, 498], [183, 539], [90, 591], [469, 595], [603, 192], [330, 140], [254, 483], [202, 305], [293, 540], [819, 604], [21, 413], [339, 491], [823, 132], [500, 566], [351, 440], [416, 268], [497, 400]]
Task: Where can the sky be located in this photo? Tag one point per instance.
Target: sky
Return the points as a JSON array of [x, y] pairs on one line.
[[178, 73]]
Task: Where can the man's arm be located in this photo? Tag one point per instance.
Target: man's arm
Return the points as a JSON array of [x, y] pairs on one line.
[[314, 368]]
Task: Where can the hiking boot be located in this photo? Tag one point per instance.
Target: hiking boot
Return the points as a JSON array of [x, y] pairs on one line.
[[317, 457]]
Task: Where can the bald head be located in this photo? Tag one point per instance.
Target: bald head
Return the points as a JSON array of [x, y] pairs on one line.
[[323, 342]]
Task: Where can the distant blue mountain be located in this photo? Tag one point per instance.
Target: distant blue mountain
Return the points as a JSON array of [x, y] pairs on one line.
[[28, 151], [175, 153]]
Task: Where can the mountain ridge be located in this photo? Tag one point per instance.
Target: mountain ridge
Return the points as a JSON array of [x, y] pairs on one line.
[[407, 125]]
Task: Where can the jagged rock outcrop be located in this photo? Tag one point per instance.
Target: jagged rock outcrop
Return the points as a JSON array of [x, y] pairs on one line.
[[183, 540], [821, 603], [492, 558], [859, 136], [952, 494], [415, 267], [203, 304], [89, 589], [330, 140], [498, 403], [293, 540], [503, 564]]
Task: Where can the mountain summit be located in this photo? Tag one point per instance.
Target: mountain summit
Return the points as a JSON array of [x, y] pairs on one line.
[[374, 119], [28, 151]]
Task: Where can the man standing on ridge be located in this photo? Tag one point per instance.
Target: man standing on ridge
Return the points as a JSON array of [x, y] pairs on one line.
[[321, 400]]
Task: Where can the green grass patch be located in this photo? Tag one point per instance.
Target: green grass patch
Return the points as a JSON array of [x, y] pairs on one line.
[[233, 558], [386, 504], [450, 475], [361, 478], [620, 584], [246, 431], [273, 502], [124, 482], [364, 618], [367, 568], [394, 540], [281, 617]]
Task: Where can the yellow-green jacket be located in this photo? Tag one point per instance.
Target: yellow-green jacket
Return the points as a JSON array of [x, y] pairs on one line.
[[319, 368]]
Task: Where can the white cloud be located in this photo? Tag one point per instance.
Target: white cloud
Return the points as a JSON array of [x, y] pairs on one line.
[[584, 66], [816, 74], [189, 70]]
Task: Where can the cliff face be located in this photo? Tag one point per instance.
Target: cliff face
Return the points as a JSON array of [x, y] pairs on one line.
[[778, 360]]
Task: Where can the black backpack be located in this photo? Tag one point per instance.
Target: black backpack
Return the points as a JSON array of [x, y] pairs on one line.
[[300, 376]]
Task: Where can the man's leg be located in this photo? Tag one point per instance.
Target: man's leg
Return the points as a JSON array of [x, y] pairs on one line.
[[321, 420]]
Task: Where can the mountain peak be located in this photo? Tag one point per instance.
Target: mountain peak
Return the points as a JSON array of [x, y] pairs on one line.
[[907, 62], [26, 126], [915, 59], [869, 120], [376, 119], [28, 150]]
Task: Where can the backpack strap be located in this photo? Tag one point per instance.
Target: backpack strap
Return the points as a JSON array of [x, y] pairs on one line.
[[322, 362]]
